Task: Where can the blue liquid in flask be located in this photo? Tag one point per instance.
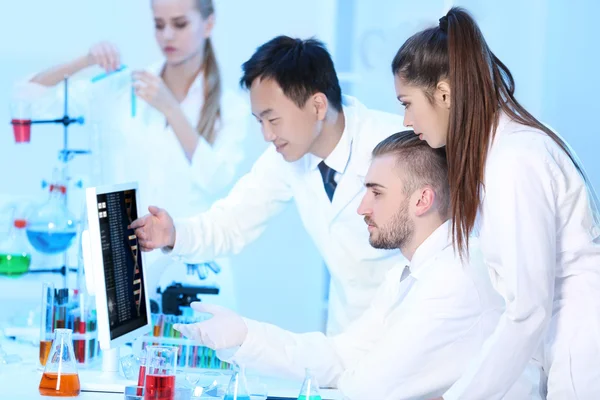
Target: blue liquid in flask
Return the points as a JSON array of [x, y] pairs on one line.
[[237, 388], [49, 242]]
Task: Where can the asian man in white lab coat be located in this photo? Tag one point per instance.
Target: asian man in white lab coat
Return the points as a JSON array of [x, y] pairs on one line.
[[428, 317], [321, 150]]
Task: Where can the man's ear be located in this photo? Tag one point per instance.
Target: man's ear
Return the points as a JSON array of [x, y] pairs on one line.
[[320, 104], [425, 199]]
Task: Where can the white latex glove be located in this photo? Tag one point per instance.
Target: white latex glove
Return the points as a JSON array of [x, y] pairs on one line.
[[224, 330]]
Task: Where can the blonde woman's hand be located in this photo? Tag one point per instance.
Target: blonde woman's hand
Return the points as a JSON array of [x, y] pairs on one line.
[[105, 55], [152, 90]]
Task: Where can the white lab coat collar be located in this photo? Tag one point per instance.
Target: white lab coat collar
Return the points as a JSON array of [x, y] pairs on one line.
[[340, 156], [504, 120], [440, 239], [157, 69], [190, 105]]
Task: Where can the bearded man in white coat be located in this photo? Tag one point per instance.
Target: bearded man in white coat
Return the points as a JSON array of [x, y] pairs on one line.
[[428, 318]]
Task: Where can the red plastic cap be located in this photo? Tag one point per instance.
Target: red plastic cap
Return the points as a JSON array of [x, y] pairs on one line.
[[60, 188], [20, 223]]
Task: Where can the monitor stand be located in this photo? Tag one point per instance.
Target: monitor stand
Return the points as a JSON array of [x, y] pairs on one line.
[[108, 379]]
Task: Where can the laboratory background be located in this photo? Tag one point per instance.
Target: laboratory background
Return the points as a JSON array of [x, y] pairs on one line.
[[550, 46]]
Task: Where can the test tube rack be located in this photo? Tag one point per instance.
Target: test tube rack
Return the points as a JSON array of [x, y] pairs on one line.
[[69, 312], [190, 355]]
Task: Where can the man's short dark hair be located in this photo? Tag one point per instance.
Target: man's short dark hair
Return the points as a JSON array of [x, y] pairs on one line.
[[423, 165], [300, 67]]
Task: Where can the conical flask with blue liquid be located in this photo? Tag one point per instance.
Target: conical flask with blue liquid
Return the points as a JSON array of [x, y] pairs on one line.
[[238, 386], [310, 387]]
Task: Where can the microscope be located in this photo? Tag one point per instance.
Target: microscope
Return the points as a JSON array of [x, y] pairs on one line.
[[177, 295]]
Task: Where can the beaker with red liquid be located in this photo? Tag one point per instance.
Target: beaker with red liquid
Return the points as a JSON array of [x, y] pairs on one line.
[[161, 362], [20, 111]]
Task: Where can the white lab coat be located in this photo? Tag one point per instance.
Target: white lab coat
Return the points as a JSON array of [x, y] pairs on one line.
[[144, 149], [540, 241], [340, 234], [413, 342]]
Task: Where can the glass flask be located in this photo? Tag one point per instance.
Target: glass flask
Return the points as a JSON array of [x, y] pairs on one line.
[[238, 387], [15, 253], [7, 359], [52, 227], [310, 387], [60, 378]]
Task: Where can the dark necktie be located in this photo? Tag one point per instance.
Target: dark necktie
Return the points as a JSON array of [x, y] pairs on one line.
[[328, 182], [405, 273]]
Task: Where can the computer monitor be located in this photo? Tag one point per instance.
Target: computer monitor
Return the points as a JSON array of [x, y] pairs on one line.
[[114, 270], [122, 303]]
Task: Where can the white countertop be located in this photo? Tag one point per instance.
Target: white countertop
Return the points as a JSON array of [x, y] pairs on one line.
[[21, 381]]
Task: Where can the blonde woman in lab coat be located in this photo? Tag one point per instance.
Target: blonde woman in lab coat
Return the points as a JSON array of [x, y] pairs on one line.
[[520, 186], [183, 140]]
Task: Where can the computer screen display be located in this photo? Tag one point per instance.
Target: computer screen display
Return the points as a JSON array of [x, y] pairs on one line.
[[122, 262]]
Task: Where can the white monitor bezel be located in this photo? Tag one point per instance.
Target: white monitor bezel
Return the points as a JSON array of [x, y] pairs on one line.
[[97, 262]]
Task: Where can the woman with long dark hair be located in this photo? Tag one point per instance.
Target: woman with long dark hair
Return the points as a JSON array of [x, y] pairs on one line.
[[519, 186]]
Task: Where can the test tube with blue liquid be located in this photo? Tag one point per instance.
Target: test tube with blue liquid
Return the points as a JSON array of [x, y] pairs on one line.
[[104, 75], [133, 100]]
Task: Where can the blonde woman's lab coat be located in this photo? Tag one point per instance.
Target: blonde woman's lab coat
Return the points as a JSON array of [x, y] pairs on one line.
[[542, 245], [142, 148], [340, 234]]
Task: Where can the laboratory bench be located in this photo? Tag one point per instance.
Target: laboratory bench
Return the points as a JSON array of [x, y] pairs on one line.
[[20, 381]]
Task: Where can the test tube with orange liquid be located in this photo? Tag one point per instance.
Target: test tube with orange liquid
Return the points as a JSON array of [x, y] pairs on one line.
[[47, 322]]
